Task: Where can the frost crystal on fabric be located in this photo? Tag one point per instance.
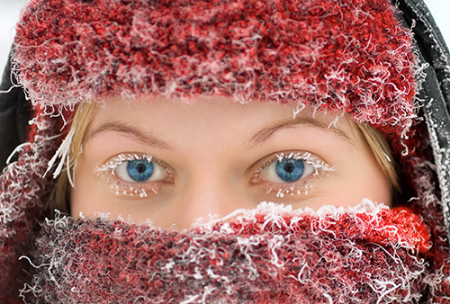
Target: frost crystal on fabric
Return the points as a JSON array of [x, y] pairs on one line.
[[268, 255], [22, 207], [351, 56]]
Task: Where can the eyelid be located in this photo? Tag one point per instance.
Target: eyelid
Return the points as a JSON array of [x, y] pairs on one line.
[[112, 164], [122, 187], [308, 157], [116, 161], [296, 187]]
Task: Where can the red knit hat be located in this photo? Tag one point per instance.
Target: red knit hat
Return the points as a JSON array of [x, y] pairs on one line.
[[350, 56]]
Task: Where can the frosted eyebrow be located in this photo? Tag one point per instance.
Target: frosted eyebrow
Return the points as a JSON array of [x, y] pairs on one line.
[[264, 135], [142, 137]]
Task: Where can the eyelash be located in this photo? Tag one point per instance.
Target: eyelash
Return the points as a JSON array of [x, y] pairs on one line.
[[294, 188], [121, 187]]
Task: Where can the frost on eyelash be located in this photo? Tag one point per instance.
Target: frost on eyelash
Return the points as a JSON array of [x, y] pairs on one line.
[[130, 190], [293, 189], [298, 188], [309, 159], [122, 188], [111, 166]]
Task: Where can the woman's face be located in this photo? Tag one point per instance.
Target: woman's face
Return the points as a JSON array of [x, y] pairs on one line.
[[173, 162]]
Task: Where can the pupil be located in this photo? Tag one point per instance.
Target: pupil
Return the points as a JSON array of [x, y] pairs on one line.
[[289, 167], [140, 168]]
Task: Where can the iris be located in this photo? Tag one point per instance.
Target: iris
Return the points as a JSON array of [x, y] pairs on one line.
[[290, 170], [140, 170]]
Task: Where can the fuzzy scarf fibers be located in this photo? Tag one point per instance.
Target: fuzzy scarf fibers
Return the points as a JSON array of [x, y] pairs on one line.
[[272, 254]]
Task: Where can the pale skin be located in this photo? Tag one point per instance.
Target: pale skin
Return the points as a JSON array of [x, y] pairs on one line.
[[213, 156]]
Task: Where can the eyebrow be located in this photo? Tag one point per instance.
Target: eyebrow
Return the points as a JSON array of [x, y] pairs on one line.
[[265, 134], [142, 137]]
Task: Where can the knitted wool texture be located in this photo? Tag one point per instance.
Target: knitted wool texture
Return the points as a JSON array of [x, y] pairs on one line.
[[349, 56], [268, 255]]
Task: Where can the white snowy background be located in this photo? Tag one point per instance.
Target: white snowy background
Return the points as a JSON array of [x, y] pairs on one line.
[[10, 9]]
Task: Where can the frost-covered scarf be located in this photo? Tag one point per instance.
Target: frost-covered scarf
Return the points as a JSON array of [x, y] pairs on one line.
[[365, 254]]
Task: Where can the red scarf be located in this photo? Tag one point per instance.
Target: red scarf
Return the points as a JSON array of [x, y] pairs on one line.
[[268, 255]]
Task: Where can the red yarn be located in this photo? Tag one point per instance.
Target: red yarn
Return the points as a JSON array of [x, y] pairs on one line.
[[350, 56], [273, 256]]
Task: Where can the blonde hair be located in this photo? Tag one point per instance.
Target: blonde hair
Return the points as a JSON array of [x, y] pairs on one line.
[[85, 112], [381, 151], [61, 194]]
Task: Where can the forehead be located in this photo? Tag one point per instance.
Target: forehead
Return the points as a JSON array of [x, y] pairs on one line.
[[217, 121], [203, 110]]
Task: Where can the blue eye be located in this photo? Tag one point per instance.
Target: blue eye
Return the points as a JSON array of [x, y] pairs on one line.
[[140, 170], [290, 170]]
